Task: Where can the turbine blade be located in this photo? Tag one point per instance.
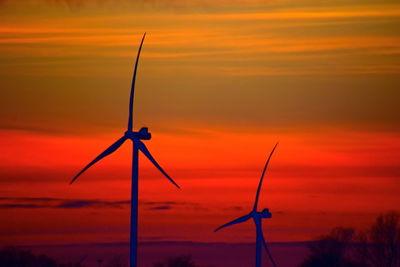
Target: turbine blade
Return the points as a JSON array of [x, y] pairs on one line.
[[236, 221], [266, 248], [130, 119], [146, 152], [106, 152], [262, 177]]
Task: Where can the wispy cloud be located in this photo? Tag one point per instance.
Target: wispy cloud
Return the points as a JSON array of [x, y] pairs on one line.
[[59, 203], [152, 3], [161, 208], [168, 205], [233, 208], [56, 203], [91, 203]]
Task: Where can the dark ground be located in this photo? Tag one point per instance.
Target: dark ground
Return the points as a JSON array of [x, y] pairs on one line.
[[204, 254]]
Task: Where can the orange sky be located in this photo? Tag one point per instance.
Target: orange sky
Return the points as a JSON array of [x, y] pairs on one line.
[[312, 179], [218, 85]]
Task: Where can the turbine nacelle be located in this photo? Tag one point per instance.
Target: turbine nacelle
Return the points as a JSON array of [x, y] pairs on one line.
[[142, 134], [266, 214]]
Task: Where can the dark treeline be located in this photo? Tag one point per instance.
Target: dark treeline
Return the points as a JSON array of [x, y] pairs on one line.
[[16, 257], [180, 261], [379, 246]]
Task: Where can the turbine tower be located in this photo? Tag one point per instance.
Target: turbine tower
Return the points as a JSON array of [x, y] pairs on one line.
[[257, 218], [136, 138]]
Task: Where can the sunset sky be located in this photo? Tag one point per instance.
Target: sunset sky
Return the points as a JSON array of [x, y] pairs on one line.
[[219, 83]]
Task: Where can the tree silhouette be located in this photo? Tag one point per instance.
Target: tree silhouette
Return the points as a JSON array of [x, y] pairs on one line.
[[16, 257], [380, 245], [180, 261], [331, 250]]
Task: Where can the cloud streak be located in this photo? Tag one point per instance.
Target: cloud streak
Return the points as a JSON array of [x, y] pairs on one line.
[[157, 5], [59, 203]]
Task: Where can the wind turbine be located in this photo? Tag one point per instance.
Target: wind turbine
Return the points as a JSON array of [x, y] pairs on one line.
[[257, 218], [136, 138]]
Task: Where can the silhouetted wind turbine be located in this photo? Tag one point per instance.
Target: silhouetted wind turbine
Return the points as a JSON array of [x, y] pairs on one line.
[[257, 217], [136, 138]]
